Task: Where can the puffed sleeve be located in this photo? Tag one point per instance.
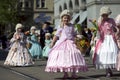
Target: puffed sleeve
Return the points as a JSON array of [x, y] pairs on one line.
[[58, 32], [13, 38]]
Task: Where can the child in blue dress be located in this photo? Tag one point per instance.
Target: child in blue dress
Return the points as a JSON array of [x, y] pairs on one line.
[[47, 45], [35, 50]]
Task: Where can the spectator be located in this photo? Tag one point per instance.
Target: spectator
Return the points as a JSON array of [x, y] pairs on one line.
[[46, 28]]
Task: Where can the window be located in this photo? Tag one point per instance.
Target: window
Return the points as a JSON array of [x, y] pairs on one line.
[[65, 6], [83, 1], [40, 3], [20, 4], [26, 4], [37, 3], [60, 9], [76, 2], [70, 5]]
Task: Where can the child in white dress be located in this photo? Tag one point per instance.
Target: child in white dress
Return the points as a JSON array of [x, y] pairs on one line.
[[18, 54]]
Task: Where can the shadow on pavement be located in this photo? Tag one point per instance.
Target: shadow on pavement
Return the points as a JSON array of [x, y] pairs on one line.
[[97, 76], [69, 78], [3, 54]]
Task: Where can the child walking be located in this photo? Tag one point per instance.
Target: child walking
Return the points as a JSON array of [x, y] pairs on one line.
[[35, 50], [18, 54], [64, 55], [106, 48]]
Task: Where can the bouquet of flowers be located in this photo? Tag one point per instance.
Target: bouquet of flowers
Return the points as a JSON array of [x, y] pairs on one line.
[[82, 44], [94, 23], [27, 33], [28, 45]]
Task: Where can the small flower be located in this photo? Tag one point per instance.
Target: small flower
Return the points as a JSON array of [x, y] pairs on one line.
[[84, 43], [94, 20], [27, 33], [94, 23]]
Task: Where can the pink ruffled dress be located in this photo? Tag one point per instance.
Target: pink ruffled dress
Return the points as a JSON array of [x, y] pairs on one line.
[[106, 49], [64, 56]]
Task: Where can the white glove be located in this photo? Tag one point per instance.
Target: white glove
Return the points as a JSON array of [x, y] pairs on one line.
[[79, 36], [92, 43]]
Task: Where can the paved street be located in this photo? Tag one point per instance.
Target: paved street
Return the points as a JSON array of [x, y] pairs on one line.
[[6, 74], [36, 72]]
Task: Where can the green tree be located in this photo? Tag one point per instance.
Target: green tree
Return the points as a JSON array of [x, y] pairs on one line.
[[9, 15], [9, 11]]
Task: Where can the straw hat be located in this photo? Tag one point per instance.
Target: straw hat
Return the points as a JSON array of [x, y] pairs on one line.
[[105, 10], [117, 20], [65, 12], [19, 25]]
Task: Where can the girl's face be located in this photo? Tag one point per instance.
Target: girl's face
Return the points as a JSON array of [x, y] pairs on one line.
[[33, 30], [47, 37], [44, 26], [65, 19], [19, 30], [105, 16]]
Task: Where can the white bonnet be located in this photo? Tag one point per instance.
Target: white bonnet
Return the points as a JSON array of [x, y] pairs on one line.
[[47, 34], [19, 25], [117, 20], [37, 32], [65, 12], [33, 27], [105, 10]]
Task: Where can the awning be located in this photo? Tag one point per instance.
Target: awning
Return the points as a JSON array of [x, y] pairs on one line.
[[83, 16], [74, 18]]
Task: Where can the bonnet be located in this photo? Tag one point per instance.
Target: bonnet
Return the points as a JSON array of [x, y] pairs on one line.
[[19, 25], [47, 34], [65, 12], [33, 27], [105, 10]]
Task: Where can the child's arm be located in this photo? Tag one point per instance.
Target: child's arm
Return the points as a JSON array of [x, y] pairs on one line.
[[55, 38], [15, 38]]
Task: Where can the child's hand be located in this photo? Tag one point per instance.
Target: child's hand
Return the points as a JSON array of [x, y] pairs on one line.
[[92, 42], [51, 45], [79, 36], [18, 37]]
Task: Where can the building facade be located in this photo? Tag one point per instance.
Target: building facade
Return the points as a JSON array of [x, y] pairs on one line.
[[36, 11], [93, 8], [76, 7], [83, 10]]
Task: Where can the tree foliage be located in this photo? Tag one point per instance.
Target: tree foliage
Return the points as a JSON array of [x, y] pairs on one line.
[[8, 11]]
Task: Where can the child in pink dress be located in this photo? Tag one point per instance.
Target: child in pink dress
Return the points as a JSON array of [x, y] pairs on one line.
[[117, 20], [64, 56], [106, 47]]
